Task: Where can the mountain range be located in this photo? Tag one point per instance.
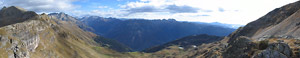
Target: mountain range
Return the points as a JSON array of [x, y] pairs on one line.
[[275, 35], [140, 34], [234, 26], [26, 34]]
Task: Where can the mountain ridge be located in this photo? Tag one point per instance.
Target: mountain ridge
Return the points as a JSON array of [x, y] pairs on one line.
[[40, 36], [110, 43], [140, 33], [274, 35], [10, 15]]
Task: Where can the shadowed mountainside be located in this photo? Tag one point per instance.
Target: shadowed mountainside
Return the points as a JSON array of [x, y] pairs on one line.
[[140, 34]]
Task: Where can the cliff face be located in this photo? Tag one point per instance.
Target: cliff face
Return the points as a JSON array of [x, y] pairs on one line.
[[28, 35]]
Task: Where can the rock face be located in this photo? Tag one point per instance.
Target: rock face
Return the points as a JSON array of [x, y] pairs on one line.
[[270, 54], [282, 48], [239, 48], [276, 50]]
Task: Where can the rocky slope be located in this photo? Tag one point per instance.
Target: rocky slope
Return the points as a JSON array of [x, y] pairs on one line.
[[275, 35], [64, 19], [186, 42], [140, 34], [278, 29], [25, 34]]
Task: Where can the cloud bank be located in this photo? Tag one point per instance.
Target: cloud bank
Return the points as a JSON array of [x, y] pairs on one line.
[[41, 5], [224, 11]]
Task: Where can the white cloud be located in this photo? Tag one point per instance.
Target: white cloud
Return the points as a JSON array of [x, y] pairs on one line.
[[42, 5], [102, 6], [224, 11], [1, 2], [119, 0], [102, 13]]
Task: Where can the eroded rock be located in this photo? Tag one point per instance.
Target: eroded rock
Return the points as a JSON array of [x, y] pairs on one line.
[[269, 54], [282, 48]]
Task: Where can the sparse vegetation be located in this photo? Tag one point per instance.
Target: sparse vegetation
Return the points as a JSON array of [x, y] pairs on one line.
[[2, 32], [112, 44]]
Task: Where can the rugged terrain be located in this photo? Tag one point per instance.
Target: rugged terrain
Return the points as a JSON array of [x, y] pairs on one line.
[[62, 19], [140, 34], [275, 35], [186, 42], [25, 34]]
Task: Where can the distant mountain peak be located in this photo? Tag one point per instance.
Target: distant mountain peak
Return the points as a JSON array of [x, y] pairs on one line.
[[59, 14], [63, 16]]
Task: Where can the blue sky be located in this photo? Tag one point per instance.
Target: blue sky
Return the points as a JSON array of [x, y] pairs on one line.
[[223, 11], [88, 5]]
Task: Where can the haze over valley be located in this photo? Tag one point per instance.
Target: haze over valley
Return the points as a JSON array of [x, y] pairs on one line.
[[149, 29]]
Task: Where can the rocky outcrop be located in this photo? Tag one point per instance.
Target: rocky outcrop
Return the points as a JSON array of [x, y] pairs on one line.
[[275, 50], [22, 38], [282, 48], [239, 48], [270, 54]]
